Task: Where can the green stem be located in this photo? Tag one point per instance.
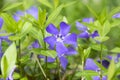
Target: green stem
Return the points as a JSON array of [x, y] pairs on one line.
[[43, 33], [82, 78], [58, 68], [43, 72], [101, 61]]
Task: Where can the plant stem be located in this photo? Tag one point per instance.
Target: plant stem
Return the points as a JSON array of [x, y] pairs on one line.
[[58, 67], [43, 72], [82, 78], [101, 61]]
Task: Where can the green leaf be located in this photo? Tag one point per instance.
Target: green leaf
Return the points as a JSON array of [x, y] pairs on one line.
[[4, 66], [92, 11], [10, 23], [42, 18], [37, 34], [26, 29], [111, 70], [87, 52], [8, 60], [56, 3], [115, 23], [102, 39], [54, 14], [46, 3], [86, 73], [11, 6], [106, 28], [98, 47], [115, 50], [49, 53], [70, 3]]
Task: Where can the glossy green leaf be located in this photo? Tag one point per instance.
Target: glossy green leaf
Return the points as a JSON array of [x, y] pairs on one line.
[[49, 53], [56, 3], [54, 14], [42, 18], [92, 11], [111, 70], [46, 3], [37, 34], [87, 52], [8, 60], [11, 6], [115, 50]]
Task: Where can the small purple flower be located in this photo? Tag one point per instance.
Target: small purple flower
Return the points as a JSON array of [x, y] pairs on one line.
[[98, 78], [116, 15], [32, 11], [1, 22], [84, 30], [59, 38], [88, 20], [35, 44], [90, 65], [17, 16]]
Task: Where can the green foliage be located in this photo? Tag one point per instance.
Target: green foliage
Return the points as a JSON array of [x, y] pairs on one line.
[[8, 60], [115, 50], [111, 70], [9, 6], [49, 53]]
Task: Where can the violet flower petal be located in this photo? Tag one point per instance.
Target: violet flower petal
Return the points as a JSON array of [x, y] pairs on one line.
[[52, 29], [71, 51], [98, 78], [35, 44], [84, 34], [17, 15], [50, 59], [64, 28], [63, 62], [94, 34], [116, 15], [88, 20], [33, 11], [61, 49], [51, 40], [90, 65], [71, 39], [1, 22], [81, 27]]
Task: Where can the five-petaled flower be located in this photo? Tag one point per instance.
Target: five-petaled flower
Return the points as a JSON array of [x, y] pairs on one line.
[[59, 39]]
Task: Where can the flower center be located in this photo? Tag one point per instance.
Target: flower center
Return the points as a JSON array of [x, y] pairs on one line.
[[60, 38]]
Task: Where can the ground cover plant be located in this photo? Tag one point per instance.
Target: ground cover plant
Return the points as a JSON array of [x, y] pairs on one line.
[[59, 40]]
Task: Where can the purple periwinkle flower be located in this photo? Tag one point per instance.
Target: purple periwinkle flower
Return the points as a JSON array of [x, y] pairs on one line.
[[116, 15], [90, 65], [32, 11], [98, 78], [59, 39], [36, 44], [84, 30], [88, 20], [1, 22]]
